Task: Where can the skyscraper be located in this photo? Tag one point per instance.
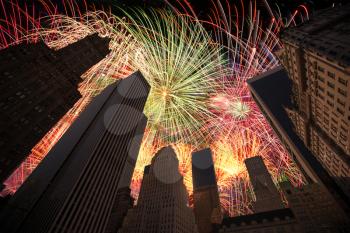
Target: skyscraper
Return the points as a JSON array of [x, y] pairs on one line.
[[207, 208], [267, 196], [162, 205], [272, 102], [123, 202], [270, 214], [37, 87], [74, 188], [311, 210], [315, 208], [316, 57]]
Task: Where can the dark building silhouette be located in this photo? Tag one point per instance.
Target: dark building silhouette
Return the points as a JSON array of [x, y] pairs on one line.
[[312, 209], [315, 209], [123, 202], [3, 201], [74, 188], [37, 87], [206, 200], [162, 205], [274, 221], [203, 172], [266, 193]]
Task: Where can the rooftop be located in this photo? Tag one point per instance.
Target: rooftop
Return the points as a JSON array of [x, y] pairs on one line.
[[259, 218]]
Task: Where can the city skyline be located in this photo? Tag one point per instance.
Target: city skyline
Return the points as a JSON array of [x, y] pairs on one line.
[[242, 108], [191, 108]]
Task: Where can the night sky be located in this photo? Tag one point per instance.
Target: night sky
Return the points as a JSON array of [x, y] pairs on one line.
[[201, 7]]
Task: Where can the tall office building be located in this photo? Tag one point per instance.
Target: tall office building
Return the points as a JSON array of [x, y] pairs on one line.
[[266, 193], [316, 57], [312, 209], [207, 210], [74, 188], [315, 209], [123, 202], [270, 214], [162, 205], [272, 102], [37, 87]]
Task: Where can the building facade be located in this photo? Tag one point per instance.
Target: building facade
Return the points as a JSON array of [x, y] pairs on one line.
[[316, 57], [123, 202], [275, 221], [162, 205], [74, 188], [267, 196], [315, 209], [207, 209], [37, 87], [273, 104], [312, 209]]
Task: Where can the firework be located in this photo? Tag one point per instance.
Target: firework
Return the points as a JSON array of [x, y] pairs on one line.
[[180, 61], [198, 97], [236, 194], [239, 129]]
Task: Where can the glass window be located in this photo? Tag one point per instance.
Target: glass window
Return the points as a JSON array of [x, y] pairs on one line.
[[331, 85], [332, 75], [342, 92], [321, 69], [340, 111], [343, 81], [330, 94]]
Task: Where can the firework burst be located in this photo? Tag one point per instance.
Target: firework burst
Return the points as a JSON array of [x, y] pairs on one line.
[[198, 97], [180, 61]]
